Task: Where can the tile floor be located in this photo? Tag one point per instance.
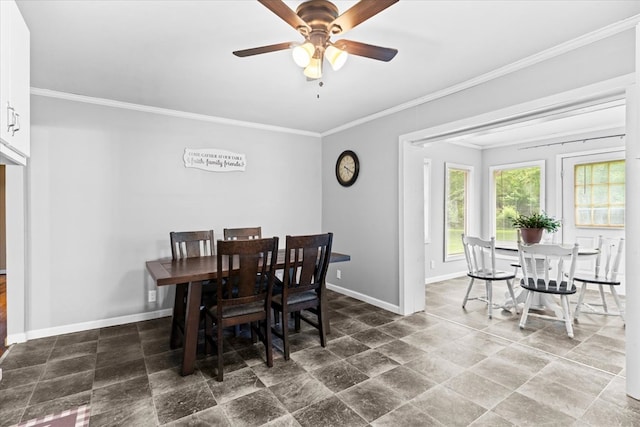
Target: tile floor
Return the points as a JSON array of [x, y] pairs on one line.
[[447, 366]]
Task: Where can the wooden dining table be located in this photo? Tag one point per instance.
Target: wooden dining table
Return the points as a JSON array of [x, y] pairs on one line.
[[193, 271]]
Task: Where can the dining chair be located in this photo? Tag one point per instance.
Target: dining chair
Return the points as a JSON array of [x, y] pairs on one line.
[[303, 286], [245, 233], [481, 263], [242, 233], [244, 294], [607, 264], [189, 244], [548, 269]]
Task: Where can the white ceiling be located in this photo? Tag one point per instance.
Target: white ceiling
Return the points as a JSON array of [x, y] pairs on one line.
[[607, 118], [177, 54]]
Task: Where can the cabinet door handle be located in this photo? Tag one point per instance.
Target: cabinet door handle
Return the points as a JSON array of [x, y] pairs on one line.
[[11, 117], [16, 124]]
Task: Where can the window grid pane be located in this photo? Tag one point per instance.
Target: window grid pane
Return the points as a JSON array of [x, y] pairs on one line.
[[457, 206], [599, 194], [517, 191]]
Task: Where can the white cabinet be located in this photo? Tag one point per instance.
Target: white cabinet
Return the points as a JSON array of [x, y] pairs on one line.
[[15, 106]]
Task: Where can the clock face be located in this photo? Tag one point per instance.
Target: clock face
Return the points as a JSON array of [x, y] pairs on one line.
[[347, 168]]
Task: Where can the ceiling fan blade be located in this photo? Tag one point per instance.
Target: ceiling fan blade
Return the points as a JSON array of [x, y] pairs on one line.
[[367, 50], [359, 13], [262, 49], [285, 13]]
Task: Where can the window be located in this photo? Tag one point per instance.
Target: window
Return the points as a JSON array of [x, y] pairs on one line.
[[515, 189], [457, 185], [599, 194]]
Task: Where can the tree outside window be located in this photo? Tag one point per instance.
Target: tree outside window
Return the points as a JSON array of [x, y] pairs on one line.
[[517, 190], [457, 207]]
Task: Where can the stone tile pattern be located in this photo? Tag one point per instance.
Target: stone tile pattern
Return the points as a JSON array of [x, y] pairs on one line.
[[446, 366]]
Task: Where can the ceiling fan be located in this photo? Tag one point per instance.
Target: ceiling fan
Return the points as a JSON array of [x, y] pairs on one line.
[[317, 21]]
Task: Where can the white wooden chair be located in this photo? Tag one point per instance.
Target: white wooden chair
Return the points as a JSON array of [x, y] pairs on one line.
[[605, 274], [481, 262], [549, 270]]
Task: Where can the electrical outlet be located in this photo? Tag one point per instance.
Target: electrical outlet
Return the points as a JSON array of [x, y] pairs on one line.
[[433, 264], [152, 296], [339, 274]]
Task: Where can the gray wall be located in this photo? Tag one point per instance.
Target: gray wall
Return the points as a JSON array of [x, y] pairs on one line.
[[366, 215], [107, 185]]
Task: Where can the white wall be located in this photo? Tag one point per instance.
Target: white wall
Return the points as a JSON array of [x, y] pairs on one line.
[[441, 153], [16, 253], [366, 214], [107, 186], [632, 228]]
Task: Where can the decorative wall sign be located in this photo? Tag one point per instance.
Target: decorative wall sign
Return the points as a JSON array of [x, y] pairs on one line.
[[212, 159]]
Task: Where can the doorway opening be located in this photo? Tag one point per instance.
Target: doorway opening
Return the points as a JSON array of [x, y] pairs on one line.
[[475, 131]]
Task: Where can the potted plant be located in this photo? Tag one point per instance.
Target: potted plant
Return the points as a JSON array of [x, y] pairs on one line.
[[532, 226]]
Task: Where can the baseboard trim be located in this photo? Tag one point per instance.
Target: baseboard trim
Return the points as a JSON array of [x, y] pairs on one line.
[[85, 326], [121, 320], [365, 298], [15, 338], [443, 277]]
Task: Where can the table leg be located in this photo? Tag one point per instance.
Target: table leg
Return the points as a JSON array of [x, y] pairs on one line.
[[191, 323], [550, 304], [178, 315]]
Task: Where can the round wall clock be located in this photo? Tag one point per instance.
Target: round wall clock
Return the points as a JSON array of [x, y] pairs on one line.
[[347, 168]]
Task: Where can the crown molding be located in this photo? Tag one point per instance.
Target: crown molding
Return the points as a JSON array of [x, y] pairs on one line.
[[578, 42], [166, 112]]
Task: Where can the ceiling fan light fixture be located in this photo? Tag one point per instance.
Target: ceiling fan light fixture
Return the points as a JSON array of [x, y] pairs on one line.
[[314, 69], [303, 54], [336, 57], [317, 21]]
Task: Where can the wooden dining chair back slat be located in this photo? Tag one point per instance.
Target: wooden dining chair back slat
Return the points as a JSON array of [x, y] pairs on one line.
[[245, 233], [607, 265], [480, 255], [242, 233], [251, 264], [307, 262], [304, 285], [189, 244], [246, 271], [548, 269]]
